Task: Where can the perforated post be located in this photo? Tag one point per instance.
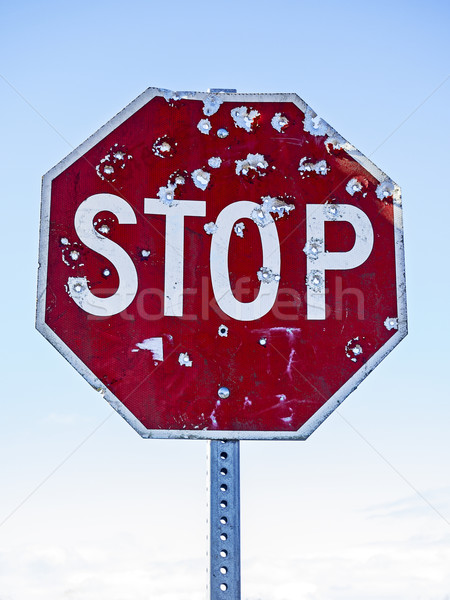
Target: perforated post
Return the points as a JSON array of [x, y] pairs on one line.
[[224, 580]]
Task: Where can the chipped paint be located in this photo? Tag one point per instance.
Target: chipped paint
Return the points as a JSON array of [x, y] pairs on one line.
[[210, 228], [145, 253], [101, 227], [214, 162], [169, 95], [353, 186], [106, 272], [76, 287], [306, 168], [164, 147], [314, 124], [288, 419], [262, 341], [167, 194], [337, 142], [179, 179], [279, 122], [211, 104], [244, 117], [353, 349], [315, 281], [261, 215], [204, 126], [332, 212], [201, 178], [116, 158], [239, 229], [313, 248], [154, 345], [251, 166], [184, 359], [391, 323], [119, 155], [71, 256], [267, 275], [223, 331], [388, 189], [276, 206], [213, 416]]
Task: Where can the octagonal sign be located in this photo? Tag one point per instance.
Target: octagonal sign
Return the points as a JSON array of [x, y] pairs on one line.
[[221, 265]]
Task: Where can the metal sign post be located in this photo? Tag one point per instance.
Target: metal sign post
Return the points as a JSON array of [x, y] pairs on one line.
[[224, 521]]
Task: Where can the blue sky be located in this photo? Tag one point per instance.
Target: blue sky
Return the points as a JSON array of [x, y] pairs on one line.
[[361, 510]]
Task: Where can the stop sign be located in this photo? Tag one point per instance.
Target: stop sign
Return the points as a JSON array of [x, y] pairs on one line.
[[221, 265]]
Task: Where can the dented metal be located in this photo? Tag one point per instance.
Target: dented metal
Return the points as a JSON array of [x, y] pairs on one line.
[[220, 196]]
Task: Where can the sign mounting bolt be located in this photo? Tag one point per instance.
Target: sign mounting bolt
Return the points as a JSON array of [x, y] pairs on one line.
[[223, 393]]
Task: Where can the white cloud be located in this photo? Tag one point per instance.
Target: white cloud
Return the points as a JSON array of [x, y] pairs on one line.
[[410, 568]]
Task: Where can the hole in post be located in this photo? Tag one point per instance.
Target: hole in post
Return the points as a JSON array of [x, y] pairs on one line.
[[223, 537], [223, 455], [223, 487], [223, 570], [223, 587], [223, 520], [223, 471], [223, 553], [223, 504]]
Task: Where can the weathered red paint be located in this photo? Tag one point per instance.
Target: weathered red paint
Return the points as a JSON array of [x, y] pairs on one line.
[[273, 388]]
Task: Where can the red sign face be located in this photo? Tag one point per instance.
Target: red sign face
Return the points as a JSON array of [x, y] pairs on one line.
[[221, 265]]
